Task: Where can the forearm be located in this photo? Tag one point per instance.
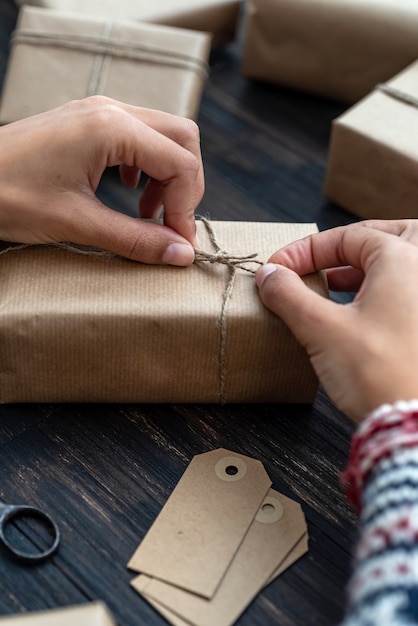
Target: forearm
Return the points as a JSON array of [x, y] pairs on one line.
[[382, 481]]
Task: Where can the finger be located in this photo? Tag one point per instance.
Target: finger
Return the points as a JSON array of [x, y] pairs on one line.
[[151, 201], [181, 130], [185, 133], [343, 246], [304, 311], [140, 240], [178, 170], [347, 279], [405, 228], [129, 175]]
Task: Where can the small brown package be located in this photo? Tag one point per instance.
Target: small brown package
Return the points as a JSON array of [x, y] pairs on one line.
[[56, 57], [88, 328], [335, 48], [91, 614], [218, 17], [373, 157]]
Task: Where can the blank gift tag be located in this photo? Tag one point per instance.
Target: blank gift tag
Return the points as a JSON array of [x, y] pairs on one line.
[[195, 537], [298, 551], [276, 531]]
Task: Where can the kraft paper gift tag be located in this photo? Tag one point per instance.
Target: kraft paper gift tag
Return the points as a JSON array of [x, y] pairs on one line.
[[278, 526], [90, 614], [296, 553], [276, 538], [196, 535]]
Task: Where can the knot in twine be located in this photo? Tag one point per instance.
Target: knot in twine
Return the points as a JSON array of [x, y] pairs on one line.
[[233, 262]]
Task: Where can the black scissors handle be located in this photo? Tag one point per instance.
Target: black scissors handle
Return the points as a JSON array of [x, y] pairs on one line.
[[9, 512]]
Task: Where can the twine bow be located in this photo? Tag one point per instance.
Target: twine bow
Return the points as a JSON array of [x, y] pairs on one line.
[[233, 262]]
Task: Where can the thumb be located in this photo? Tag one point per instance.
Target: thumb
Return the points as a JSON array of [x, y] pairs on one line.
[[134, 238], [305, 312]]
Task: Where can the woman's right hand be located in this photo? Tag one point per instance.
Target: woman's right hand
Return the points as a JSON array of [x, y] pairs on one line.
[[365, 353]]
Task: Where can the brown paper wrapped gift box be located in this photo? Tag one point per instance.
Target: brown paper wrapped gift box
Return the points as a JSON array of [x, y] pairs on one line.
[[373, 157], [336, 48], [57, 57], [89, 614], [218, 17], [92, 329]]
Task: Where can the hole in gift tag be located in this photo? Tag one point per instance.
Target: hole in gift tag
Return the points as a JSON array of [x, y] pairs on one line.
[[270, 511], [230, 468]]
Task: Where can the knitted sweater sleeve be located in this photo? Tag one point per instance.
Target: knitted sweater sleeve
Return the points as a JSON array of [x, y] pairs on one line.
[[382, 481]]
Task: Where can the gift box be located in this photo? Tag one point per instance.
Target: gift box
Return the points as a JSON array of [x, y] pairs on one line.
[[219, 17], [94, 328], [339, 49], [89, 614], [56, 57], [373, 156]]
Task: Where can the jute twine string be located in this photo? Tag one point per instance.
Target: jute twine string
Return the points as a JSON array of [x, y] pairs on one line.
[[108, 45], [101, 64], [218, 256], [233, 262], [61, 245], [398, 94]]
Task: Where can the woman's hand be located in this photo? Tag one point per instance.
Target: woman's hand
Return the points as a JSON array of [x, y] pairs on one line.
[[365, 353], [51, 165]]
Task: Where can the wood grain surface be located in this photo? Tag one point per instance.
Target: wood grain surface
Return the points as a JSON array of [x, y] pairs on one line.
[[104, 471]]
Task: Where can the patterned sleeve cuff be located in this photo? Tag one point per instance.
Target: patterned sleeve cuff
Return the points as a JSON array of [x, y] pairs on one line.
[[385, 430], [382, 478]]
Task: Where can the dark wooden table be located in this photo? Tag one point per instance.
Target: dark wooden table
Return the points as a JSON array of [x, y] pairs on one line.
[[104, 471]]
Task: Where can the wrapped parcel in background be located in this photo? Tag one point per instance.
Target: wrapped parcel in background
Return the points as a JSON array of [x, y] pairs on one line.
[[218, 17], [56, 57], [335, 48], [88, 614], [373, 157]]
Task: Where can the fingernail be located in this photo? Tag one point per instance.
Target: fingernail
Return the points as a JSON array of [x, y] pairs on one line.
[[263, 272], [180, 254]]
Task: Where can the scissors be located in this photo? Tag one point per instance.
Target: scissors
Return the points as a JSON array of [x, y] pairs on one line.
[[9, 512]]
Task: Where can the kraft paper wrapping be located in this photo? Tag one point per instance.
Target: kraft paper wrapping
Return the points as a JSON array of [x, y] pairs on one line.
[[218, 17], [56, 57], [339, 49], [373, 157], [90, 614], [87, 328]]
